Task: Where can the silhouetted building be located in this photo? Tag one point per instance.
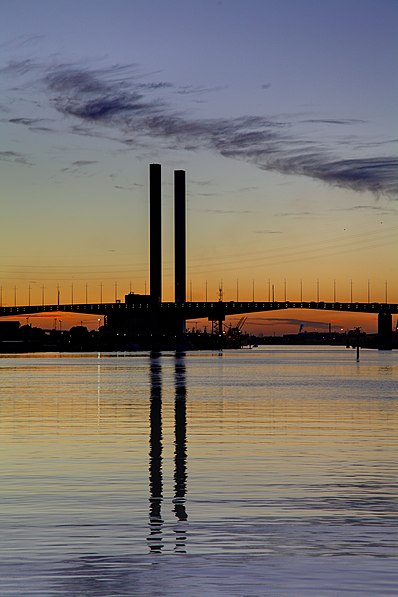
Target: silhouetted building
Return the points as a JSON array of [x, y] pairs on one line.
[[9, 330]]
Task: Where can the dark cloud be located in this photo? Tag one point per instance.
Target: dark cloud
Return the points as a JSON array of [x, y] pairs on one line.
[[379, 175], [117, 97], [84, 94]]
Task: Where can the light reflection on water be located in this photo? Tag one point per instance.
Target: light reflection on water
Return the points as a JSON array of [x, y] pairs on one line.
[[269, 471]]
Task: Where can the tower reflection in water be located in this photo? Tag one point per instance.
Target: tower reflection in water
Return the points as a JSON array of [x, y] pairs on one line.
[[155, 539]]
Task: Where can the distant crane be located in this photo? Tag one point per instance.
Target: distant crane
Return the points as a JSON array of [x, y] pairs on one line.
[[233, 335]]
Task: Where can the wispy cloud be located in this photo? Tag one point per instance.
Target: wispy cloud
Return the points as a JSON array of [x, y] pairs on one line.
[[337, 121], [283, 321], [268, 232], [295, 213], [197, 90], [25, 121], [79, 167], [80, 163], [14, 156], [34, 124], [155, 86], [22, 41], [117, 97], [224, 211], [374, 208]]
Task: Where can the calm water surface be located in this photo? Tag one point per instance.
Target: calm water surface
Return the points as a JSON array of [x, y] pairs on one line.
[[257, 472]]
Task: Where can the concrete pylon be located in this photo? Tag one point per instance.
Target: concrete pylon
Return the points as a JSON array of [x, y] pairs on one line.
[[384, 331], [180, 266], [155, 233]]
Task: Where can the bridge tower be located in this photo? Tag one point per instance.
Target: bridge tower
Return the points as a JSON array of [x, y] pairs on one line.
[[180, 258], [180, 268], [384, 331], [155, 233]]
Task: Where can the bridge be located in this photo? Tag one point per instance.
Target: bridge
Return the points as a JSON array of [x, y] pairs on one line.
[[149, 314], [138, 313]]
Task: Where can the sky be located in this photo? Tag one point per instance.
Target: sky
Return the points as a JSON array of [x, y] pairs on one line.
[[283, 114]]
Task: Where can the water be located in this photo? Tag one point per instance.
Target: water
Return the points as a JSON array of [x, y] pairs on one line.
[[257, 472]]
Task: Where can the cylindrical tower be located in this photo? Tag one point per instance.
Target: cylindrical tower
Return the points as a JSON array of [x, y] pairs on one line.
[[155, 232], [180, 273]]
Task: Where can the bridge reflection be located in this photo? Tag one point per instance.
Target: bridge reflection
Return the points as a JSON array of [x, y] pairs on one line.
[[156, 522]]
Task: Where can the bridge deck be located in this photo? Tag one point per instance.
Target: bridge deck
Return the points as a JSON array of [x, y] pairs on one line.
[[197, 310]]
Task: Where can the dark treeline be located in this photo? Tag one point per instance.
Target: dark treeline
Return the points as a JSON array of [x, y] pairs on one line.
[[15, 338]]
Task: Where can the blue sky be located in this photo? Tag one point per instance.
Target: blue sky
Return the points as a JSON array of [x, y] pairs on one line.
[[284, 115]]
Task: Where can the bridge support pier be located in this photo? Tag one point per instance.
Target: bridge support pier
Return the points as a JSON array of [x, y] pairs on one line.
[[384, 331]]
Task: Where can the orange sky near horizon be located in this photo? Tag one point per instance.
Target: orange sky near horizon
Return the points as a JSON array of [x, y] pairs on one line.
[[287, 321]]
